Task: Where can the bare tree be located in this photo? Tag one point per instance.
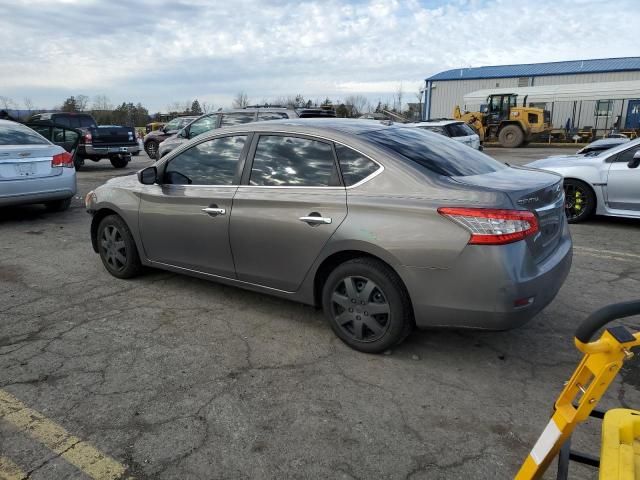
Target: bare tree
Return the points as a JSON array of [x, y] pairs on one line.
[[82, 101], [241, 100], [357, 104], [28, 104], [7, 103], [101, 102], [397, 99], [207, 107], [174, 107]]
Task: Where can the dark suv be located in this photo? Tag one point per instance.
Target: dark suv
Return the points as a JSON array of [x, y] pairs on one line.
[[228, 118], [155, 137], [115, 142]]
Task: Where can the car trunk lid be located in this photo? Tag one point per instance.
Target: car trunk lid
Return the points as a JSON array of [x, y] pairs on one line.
[[28, 161], [533, 190]]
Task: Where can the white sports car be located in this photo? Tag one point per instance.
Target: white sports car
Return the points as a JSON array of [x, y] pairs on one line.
[[604, 183]]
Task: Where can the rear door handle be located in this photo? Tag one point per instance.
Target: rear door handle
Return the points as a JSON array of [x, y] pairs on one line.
[[214, 211], [316, 220]]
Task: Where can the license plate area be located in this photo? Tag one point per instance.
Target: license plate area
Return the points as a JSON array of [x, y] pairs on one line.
[[25, 169]]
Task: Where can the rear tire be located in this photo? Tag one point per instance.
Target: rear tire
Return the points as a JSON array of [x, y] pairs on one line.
[[119, 161], [511, 136], [117, 248], [367, 305], [58, 205], [579, 200], [78, 162]]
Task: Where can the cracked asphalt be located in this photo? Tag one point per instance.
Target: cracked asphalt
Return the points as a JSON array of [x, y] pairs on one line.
[[175, 377]]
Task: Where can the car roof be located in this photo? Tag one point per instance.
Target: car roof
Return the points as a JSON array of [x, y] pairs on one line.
[[315, 125]]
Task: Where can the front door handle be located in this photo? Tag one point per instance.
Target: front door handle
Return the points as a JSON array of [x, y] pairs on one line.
[[313, 220], [214, 211]]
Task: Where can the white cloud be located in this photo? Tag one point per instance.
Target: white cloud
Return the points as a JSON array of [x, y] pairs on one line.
[[156, 52]]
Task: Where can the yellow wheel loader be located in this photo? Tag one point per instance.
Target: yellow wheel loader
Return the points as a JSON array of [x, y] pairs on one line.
[[503, 119]]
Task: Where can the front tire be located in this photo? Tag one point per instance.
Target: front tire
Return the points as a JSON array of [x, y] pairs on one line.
[[117, 248], [152, 149], [579, 201], [367, 305], [511, 136]]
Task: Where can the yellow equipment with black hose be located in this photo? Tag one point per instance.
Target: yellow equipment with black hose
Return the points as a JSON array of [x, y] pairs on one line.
[[620, 451]]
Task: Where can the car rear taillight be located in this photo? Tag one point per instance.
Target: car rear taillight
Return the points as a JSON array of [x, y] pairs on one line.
[[62, 160], [87, 137], [493, 227]]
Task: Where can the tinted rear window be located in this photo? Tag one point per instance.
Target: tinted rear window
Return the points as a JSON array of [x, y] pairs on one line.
[[19, 135], [439, 154], [460, 130]]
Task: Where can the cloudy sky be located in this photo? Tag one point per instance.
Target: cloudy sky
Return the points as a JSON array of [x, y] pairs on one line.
[[158, 52]]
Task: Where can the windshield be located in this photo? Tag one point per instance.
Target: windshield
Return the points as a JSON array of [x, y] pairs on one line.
[[15, 134], [439, 154]]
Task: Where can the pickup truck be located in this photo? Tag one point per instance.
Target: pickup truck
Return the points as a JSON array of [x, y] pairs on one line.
[[114, 142]]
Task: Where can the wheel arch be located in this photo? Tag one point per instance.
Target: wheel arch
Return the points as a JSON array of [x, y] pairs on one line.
[[95, 221], [335, 259]]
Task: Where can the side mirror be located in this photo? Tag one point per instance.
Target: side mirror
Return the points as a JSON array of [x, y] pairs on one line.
[[635, 161], [184, 133], [148, 176]]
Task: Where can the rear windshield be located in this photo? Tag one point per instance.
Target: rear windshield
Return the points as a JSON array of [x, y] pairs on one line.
[[460, 130], [20, 135], [439, 154]]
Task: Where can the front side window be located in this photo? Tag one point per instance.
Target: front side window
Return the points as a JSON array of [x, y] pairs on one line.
[[229, 119], [202, 125], [213, 162], [15, 134], [291, 161], [355, 167], [627, 155], [434, 152], [173, 124]]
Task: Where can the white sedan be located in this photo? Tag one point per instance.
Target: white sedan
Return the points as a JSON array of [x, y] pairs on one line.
[[607, 183], [454, 129]]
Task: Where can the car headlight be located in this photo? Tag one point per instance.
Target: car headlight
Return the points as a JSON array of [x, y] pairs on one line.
[[90, 200]]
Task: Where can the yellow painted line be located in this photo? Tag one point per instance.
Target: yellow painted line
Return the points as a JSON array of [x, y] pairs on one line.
[[598, 251], [607, 255], [10, 470], [73, 449]]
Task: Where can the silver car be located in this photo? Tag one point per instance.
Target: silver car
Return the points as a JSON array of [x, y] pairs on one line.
[[604, 182], [454, 129], [384, 227], [34, 170], [235, 116]]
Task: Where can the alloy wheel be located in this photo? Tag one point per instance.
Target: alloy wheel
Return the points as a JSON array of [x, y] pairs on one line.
[[360, 309], [152, 149], [576, 201], [113, 247]]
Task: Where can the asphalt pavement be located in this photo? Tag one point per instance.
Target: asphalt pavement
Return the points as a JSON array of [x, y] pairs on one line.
[[166, 376]]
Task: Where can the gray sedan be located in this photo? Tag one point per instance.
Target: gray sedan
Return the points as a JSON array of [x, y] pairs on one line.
[[381, 226], [604, 183], [34, 170]]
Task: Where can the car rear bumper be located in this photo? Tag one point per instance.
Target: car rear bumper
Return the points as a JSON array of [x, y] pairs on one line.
[[482, 288], [89, 149], [38, 190]]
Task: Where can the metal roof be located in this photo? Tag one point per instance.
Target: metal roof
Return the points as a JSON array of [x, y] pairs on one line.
[[600, 65], [564, 92]]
